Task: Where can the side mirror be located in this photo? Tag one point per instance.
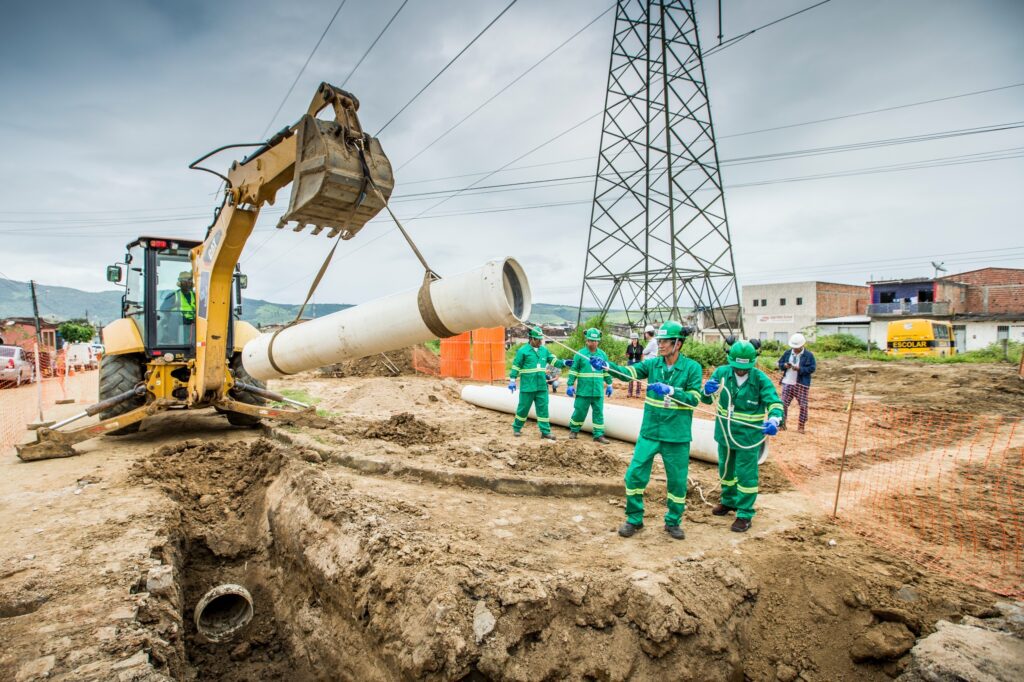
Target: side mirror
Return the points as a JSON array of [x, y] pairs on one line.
[[114, 273], [243, 281]]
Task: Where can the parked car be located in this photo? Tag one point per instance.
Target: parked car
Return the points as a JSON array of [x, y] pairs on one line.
[[97, 349], [15, 367], [81, 356]]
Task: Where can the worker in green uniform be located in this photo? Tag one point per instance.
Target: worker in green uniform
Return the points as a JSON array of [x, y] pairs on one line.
[[588, 386], [673, 390], [749, 410], [530, 365]]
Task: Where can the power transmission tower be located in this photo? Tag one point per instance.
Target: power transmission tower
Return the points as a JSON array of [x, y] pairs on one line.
[[659, 244]]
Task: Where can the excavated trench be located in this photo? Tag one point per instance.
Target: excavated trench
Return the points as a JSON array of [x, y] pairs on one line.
[[352, 578]]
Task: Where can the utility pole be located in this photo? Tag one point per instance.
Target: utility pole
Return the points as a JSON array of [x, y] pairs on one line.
[[39, 349]]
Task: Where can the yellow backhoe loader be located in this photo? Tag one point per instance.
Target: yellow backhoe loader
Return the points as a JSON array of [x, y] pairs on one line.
[[178, 342]]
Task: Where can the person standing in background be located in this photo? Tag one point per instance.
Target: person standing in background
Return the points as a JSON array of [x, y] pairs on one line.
[[634, 354], [797, 365]]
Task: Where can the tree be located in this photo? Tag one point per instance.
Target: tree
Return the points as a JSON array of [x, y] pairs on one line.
[[75, 332]]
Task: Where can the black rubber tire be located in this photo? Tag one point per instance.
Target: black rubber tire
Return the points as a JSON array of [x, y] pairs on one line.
[[239, 373], [119, 373]]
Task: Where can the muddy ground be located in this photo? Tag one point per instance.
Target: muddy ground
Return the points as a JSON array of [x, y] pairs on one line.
[[416, 539]]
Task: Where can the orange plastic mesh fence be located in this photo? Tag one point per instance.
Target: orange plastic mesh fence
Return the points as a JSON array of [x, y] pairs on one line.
[[455, 356], [425, 362], [24, 393], [488, 354], [942, 488]]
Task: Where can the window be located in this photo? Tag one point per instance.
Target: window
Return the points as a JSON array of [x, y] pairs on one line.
[[1002, 332], [763, 336], [940, 331], [799, 300], [782, 301], [764, 302], [755, 302], [887, 297], [782, 337], [176, 301], [925, 296]]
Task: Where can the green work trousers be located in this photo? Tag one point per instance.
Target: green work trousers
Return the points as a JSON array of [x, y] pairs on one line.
[[526, 400], [580, 408], [738, 471], [676, 457]]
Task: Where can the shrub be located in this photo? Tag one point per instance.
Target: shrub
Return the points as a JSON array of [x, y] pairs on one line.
[[74, 332], [837, 343], [615, 348], [707, 354]]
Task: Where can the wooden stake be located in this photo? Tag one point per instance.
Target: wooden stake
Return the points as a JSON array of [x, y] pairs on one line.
[[846, 440]]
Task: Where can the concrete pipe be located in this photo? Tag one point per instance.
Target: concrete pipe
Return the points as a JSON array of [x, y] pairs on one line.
[[223, 611], [496, 294], [620, 422]]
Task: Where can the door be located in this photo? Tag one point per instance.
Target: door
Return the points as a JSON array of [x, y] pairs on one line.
[[960, 337]]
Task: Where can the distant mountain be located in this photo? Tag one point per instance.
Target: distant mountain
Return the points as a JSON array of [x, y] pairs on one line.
[[63, 303]]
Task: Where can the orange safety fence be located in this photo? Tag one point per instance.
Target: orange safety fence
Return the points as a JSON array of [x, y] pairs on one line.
[[24, 395], [455, 356], [488, 361], [939, 487]]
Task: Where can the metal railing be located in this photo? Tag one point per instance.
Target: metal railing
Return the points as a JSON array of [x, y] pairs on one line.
[[903, 308]]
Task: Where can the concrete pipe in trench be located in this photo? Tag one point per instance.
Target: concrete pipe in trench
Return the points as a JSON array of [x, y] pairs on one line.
[[620, 422], [495, 294], [223, 611]]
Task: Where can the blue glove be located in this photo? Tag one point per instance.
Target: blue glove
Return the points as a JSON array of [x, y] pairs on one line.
[[598, 364], [571, 391], [771, 427], [608, 391], [660, 389], [512, 385], [711, 387]]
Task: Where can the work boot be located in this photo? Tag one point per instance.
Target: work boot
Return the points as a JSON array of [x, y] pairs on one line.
[[676, 532], [740, 525], [548, 436], [572, 435], [722, 510], [800, 429], [628, 530], [517, 434], [602, 440]]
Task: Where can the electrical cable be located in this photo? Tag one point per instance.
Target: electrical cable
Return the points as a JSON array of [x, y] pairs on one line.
[[445, 68], [374, 43]]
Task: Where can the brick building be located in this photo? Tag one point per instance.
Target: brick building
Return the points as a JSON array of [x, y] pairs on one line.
[[774, 311], [21, 331], [985, 306]]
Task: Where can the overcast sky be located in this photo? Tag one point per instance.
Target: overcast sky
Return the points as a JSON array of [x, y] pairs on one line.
[[105, 103]]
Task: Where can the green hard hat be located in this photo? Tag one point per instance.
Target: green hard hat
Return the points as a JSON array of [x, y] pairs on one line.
[[592, 334], [742, 355], [536, 333], [671, 330]]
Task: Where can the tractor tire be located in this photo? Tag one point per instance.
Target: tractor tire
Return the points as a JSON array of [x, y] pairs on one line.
[[119, 373], [239, 373]]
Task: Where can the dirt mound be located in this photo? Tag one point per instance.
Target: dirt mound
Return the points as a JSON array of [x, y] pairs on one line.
[[404, 429], [966, 387], [558, 458], [390, 364]]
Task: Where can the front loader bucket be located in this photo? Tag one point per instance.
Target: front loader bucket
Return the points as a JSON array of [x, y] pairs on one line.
[[330, 189]]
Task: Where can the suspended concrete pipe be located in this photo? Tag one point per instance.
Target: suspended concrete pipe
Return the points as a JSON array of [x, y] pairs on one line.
[[620, 422], [496, 294], [223, 611]]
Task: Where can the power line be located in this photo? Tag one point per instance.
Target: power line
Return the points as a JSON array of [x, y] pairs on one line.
[[374, 43], [735, 39], [872, 111], [303, 69], [509, 85], [445, 68]]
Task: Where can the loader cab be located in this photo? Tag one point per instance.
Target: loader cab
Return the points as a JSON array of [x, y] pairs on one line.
[[160, 297]]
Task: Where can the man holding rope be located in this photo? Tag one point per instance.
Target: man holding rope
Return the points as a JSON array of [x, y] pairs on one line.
[[530, 366], [749, 410], [673, 389]]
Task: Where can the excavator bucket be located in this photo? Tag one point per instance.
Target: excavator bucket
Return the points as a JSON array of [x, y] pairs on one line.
[[336, 171]]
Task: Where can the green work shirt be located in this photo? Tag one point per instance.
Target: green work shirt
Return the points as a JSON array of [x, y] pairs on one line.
[[530, 365], [752, 403], [589, 382], [672, 423]]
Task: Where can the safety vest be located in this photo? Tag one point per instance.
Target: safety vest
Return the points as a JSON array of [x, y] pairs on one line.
[[187, 305]]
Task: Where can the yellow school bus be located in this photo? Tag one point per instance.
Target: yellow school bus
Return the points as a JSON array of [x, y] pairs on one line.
[[920, 337]]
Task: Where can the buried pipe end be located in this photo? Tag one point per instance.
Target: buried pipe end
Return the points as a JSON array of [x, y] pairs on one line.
[[223, 611]]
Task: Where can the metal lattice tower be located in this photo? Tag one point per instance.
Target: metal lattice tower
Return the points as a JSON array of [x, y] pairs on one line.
[[659, 239]]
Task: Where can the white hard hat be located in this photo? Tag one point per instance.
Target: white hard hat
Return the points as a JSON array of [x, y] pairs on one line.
[[797, 340], [634, 335], [648, 329]]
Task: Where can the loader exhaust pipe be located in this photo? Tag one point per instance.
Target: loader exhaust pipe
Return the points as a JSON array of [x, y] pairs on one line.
[[495, 294]]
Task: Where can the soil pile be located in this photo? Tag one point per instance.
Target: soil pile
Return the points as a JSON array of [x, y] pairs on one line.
[[405, 429], [390, 364]]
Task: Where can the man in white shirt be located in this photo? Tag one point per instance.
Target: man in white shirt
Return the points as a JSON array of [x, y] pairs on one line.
[[651, 349], [797, 365]]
